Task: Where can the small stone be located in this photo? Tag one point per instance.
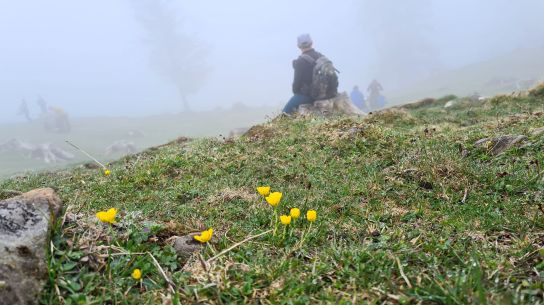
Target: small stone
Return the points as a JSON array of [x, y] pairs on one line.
[[91, 165], [25, 223], [535, 132], [464, 152], [500, 144], [450, 103], [186, 245], [426, 185]]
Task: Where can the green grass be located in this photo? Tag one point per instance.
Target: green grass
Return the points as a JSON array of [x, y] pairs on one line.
[[403, 215]]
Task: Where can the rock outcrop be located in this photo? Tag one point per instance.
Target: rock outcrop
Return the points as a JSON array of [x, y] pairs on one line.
[[25, 223], [47, 152], [121, 147], [339, 105]]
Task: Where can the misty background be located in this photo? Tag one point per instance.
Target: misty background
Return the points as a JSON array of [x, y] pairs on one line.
[[137, 73], [114, 57]]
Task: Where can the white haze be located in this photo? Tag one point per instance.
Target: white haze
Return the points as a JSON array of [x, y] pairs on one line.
[[118, 58]]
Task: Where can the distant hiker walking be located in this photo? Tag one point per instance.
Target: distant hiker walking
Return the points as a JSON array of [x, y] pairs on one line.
[[358, 99], [42, 104], [23, 110], [315, 76], [374, 98]]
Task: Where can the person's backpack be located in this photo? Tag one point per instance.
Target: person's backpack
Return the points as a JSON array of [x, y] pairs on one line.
[[324, 78]]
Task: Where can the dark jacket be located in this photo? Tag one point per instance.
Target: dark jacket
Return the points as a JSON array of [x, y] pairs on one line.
[[303, 73]]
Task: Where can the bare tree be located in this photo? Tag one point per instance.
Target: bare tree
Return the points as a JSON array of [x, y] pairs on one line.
[[178, 57]]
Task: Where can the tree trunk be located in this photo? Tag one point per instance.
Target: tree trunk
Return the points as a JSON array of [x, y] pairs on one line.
[[186, 107]]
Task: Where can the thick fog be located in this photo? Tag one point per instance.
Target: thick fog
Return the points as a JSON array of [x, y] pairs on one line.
[[114, 58]]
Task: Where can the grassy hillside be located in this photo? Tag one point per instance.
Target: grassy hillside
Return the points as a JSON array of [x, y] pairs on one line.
[[409, 211], [502, 74]]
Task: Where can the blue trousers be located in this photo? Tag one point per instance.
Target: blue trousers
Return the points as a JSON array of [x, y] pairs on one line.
[[295, 101]]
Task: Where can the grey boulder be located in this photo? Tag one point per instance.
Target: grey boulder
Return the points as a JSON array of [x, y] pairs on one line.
[[339, 105], [25, 223]]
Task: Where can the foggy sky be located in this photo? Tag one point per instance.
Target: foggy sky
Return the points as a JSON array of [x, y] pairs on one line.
[[99, 57]]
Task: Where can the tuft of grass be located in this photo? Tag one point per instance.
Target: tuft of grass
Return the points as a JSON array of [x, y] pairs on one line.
[[409, 212]]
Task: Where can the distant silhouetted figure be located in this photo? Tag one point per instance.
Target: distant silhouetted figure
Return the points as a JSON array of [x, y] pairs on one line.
[[374, 88], [358, 99], [375, 99], [42, 104], [23, 110]]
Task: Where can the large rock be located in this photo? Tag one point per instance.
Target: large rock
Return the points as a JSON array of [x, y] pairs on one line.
[[499, 144], [25, 223], [47, 152], [122, 146], [339, 105]]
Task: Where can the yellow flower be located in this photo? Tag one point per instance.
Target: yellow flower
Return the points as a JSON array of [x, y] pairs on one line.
[[295, 213], [285, 219], [274, 198], [136, 274], [204, 236], [311, 215], [107, 216], [107, 172], [263, 190]]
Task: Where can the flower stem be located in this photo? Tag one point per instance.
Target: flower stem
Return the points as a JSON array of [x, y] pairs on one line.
[[110, 278], [304, 234], [291, 231], [211, 248], [275, 221]]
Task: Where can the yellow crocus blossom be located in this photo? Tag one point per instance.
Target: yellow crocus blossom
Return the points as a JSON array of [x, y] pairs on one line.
[[285, 220], [204, 236], [274, 198], [136, 274], [311, 215], [107, 216], [263, 190], [295, 213]]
